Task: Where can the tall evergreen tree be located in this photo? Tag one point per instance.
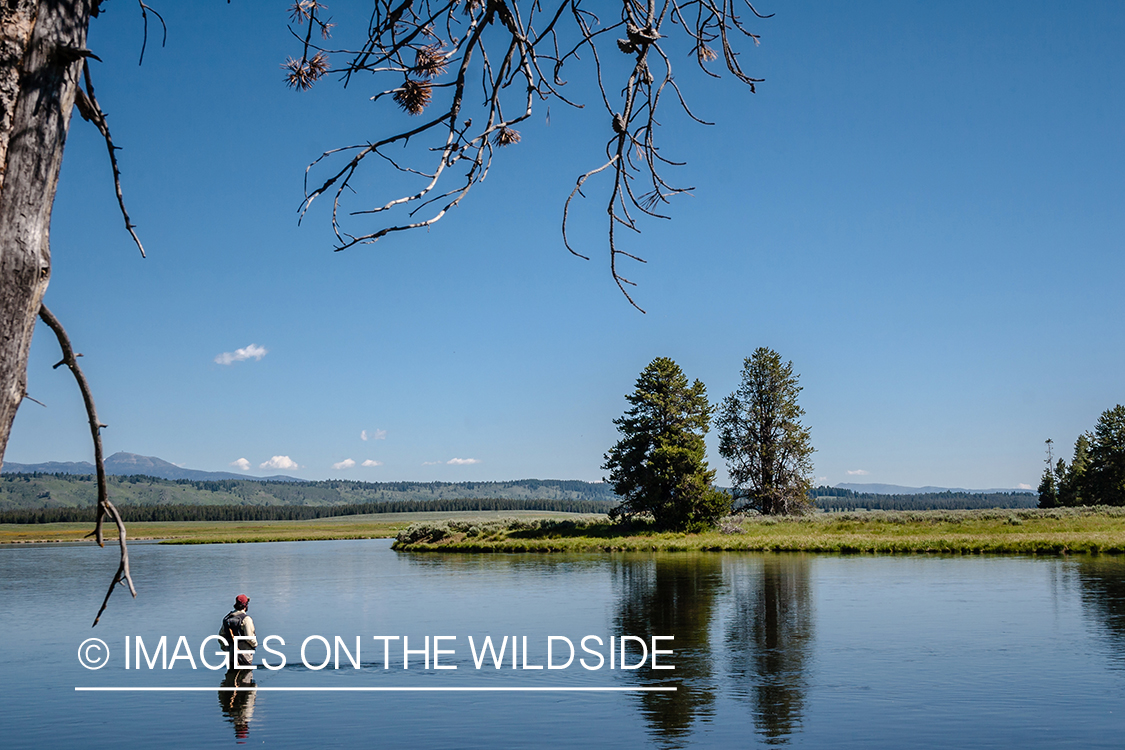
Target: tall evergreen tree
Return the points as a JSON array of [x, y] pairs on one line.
[[1105, 476], [1048, 487], [658, 465], [1072, 479], [768, 450]]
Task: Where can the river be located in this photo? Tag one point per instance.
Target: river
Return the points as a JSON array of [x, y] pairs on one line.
[[814, 651]]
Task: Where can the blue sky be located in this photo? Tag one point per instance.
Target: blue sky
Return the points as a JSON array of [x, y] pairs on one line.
[[922, 208]]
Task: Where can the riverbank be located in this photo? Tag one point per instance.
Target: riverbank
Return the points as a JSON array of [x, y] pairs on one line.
[[1032, 531], [1058, 531], [373, 526]]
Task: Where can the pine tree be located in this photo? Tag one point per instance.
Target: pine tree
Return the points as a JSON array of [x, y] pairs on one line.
[[1072, 480], [658, 466], [1048, 487], [768, 450], [1105, 476]]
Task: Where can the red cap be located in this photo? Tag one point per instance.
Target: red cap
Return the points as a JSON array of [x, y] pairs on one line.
[[242, 600]]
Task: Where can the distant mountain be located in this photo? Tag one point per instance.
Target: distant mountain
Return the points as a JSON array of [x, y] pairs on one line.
[[895, 489], [51, 467], [125, 464]]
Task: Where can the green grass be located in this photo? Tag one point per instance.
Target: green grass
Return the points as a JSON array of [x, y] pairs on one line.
[[374, 526], [1060, 531], [1030, 531]]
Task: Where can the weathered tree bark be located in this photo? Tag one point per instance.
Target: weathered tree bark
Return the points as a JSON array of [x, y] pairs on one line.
[[42, 47]]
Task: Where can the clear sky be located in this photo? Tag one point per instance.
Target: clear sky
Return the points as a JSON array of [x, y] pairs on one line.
[[923, 207]]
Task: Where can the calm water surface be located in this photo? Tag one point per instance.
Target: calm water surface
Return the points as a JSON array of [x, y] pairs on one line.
[[799, 650]]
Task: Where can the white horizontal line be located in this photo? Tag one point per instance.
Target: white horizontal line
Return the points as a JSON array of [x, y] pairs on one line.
[[378, 689]]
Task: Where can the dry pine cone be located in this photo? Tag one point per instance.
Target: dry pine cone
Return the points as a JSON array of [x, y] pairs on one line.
[[413, 96], [506, 137]]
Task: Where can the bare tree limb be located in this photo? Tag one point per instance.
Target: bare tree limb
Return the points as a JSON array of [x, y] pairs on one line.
[[91, 111], [514, 49], [105, 507], [144, 17]]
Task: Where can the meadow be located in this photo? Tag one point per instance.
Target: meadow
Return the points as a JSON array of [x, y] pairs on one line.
[[1020, 531], [372, 526], [1014, 531]]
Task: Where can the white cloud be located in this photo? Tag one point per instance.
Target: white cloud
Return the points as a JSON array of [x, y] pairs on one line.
[[253, 351], [1023, 486], [371, 462], [376, 435], [279, 462], [242, 464], [462, 461], [857, 472], [430, 463], [347, 463]]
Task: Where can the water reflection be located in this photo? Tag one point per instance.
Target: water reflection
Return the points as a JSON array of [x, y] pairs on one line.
[[673, 595], [828, 652], [237, 694], [752, 612], [769, 638], [1102, 583]]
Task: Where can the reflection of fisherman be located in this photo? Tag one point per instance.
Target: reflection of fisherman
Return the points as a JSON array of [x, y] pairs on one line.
[[236, 696], [238, 632]]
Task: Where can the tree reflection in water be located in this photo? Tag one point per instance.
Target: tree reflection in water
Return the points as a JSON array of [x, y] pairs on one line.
[[769, 638], [672, 595], [752, 613], [1102, 581]]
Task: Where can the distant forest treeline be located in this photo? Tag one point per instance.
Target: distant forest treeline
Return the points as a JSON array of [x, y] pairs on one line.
[[835, 498], [39, 490], [43, 498], [131, 513]]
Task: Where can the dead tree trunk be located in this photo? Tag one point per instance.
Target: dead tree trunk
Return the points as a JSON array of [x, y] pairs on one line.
[[42, 48]]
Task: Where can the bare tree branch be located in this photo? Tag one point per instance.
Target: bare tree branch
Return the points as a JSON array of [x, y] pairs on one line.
[[91, 111], [516, 50], [105, 507], [144, 17]]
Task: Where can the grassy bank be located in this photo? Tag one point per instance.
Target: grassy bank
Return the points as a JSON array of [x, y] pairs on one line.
[[375, 526], [1058, 531], [1030, 531]]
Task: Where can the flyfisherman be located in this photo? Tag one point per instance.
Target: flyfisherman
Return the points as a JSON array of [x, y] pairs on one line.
[[238, 632]]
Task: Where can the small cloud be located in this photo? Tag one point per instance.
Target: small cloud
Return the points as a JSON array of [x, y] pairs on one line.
[[1023, 486], [857, 472], [242, 464], [462, 461], [374, 435], [347, 463], [371, 462], [253, 351], [279, 462], [430, 463]]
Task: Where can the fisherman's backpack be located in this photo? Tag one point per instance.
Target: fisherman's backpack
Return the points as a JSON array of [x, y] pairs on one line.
[[232, 626]]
